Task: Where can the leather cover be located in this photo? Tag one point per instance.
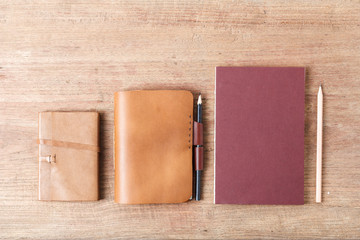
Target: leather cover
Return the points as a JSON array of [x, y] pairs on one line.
[[68, 156], [153, 146], [259, 157]]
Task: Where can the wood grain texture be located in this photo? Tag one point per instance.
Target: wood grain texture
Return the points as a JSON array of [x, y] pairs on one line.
[[73, 55]]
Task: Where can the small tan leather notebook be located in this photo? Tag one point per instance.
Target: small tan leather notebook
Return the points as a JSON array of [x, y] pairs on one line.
[[68, 156], [153, 146]]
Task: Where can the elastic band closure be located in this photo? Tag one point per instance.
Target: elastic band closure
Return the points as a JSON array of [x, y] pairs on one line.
[[57, 143]]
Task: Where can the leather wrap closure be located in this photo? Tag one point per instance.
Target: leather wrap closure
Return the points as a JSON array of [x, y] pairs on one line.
[[64, 144]]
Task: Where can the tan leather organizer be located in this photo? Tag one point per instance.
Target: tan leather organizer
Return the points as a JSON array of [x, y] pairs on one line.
[[68, 156], [153, 138]]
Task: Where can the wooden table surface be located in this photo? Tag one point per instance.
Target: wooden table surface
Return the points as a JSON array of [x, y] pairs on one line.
[[73, 55]]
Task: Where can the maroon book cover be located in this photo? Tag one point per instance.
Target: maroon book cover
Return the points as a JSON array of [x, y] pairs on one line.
[[259, 135]]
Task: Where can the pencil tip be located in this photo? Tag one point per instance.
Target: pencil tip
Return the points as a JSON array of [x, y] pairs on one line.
[[199, 99], [320, 89]]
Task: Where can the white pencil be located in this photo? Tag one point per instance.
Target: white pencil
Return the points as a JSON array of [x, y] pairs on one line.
[[319, 144]]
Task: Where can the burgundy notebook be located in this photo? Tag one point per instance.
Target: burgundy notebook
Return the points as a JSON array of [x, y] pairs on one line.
[[259, 138]]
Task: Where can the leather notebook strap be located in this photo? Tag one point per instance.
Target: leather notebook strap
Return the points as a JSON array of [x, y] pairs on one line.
[[64, 144], [198, 134]]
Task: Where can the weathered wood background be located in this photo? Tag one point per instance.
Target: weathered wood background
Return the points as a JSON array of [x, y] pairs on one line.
[[73, 55]]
